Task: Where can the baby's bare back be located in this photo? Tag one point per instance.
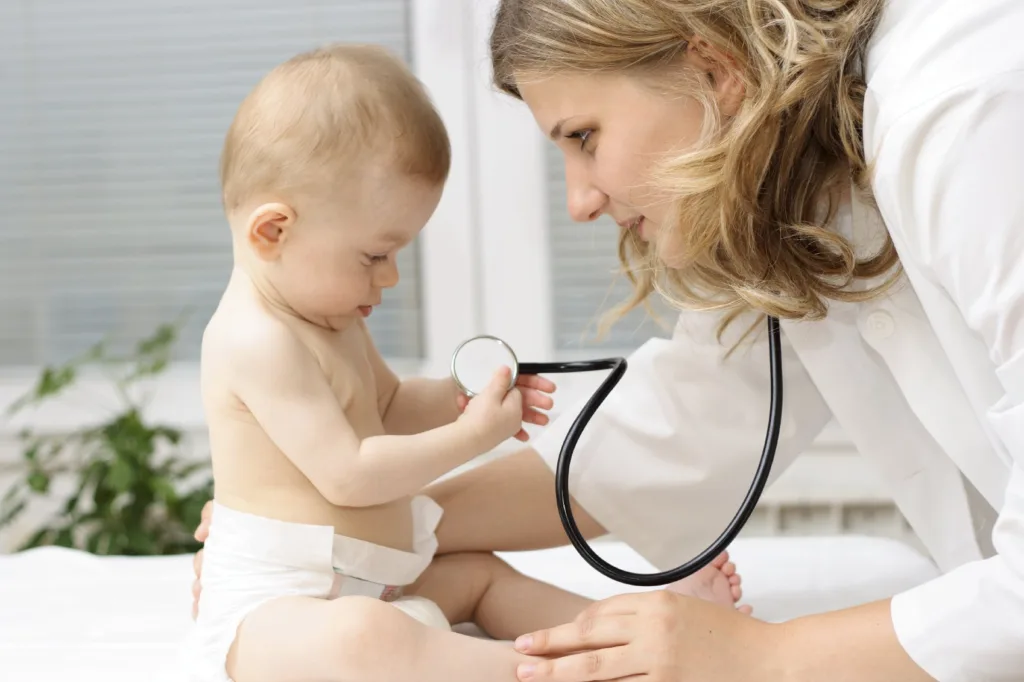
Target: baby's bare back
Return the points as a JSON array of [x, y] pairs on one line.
[[251, 473]]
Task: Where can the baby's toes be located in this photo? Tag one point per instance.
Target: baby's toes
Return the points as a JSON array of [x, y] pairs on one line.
[[729, 569], [746, 609], [737, 593], [735, 579]]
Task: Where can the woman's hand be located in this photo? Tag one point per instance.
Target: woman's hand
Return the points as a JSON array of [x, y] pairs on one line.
[[657, 636], [536, 392], [202, 532]]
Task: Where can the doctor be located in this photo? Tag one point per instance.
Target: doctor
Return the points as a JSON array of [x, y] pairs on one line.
[[856, 169]]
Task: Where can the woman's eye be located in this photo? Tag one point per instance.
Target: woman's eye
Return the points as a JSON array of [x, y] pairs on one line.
[[582, 136], [376, 259]]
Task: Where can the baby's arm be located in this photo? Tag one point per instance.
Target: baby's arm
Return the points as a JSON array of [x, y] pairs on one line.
[[283, 386], [413, 405], [420, 404]]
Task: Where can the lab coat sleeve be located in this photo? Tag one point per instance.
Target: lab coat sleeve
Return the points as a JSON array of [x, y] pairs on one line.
[[666, 461], [954, 173]]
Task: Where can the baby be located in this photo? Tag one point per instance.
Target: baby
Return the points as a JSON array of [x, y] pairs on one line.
[[318, 532], [333, 163]]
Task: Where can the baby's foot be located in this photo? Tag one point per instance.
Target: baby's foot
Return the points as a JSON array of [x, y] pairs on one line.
[[718, 582]]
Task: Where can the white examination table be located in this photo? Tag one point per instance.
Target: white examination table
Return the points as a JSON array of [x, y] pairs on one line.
[[69, 616]]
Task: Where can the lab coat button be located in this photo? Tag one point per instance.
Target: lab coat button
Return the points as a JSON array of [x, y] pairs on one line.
[[879, 325]]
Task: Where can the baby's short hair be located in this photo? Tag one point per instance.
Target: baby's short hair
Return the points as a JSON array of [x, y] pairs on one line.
[[322, 115]]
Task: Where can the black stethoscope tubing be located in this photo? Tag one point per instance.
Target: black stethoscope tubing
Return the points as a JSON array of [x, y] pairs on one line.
[[562, 496]]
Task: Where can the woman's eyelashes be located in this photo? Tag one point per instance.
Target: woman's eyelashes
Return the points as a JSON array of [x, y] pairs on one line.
[[376, 259]]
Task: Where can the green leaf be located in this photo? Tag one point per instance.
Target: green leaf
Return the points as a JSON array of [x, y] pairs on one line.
[[72, 502], [172, 435], [52, 381], [163, 490], [31, 453], [160, 342], [120, 477], [39, 481], [64, 538], [92, 542]]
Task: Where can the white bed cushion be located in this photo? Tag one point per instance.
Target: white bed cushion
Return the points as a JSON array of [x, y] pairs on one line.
[[67, 615]]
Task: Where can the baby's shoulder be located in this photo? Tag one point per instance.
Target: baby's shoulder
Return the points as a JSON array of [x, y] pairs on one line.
[[246, 339]]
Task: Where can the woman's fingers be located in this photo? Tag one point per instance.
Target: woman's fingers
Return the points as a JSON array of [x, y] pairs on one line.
[[628, 604], [535, 417], [535, 381], [616, 663], [583, 633], [533, 398], [203, 530]]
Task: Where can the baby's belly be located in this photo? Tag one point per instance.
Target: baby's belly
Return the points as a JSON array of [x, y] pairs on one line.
[[289, 496]]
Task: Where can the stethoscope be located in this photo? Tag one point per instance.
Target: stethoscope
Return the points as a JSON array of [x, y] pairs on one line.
[[474, 362]]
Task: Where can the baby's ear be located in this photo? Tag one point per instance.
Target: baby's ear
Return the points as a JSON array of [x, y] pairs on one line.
[[269, 227]]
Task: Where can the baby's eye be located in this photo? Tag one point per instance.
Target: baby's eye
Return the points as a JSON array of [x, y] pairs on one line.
[[582, 136], [378, 259]]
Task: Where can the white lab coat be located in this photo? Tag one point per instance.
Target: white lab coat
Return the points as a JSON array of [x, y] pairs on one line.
[[928, 382]]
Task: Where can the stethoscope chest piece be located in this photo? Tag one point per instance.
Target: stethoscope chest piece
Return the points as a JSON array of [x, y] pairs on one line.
[[476, 360]]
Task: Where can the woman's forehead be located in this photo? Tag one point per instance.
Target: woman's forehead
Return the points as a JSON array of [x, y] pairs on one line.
[[554, 98]]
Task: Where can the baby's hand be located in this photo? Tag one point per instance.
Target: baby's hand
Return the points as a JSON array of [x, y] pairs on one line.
[[536, 392], [496, 413]]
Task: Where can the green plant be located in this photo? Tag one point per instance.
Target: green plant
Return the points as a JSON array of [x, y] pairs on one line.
[[134, 493]]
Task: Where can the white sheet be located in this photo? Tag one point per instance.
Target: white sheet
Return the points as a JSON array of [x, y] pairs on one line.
[[66, 615]]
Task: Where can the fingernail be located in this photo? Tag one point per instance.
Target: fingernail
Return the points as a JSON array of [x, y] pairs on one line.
[[526, 671], [524, 643]]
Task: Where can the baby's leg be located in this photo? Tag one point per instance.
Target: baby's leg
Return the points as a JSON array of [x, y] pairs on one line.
[[359, 639], [482, 589]]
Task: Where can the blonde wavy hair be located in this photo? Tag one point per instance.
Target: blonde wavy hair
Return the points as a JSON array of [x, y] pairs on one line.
[[754, 200]]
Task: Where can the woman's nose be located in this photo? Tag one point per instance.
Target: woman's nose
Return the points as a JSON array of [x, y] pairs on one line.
[[586, 202]]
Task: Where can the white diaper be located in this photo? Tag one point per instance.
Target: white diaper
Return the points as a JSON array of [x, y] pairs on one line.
[[249, 560]]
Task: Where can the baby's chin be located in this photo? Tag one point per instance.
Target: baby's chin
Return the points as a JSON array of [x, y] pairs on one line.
[[333, 322]]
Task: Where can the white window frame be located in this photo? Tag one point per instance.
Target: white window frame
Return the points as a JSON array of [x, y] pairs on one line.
[[513, 217]]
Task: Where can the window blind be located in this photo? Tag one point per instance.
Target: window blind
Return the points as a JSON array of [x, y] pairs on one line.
[[112, 119], [586, 278]]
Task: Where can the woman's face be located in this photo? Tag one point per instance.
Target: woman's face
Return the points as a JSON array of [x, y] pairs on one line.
[[612, 130]]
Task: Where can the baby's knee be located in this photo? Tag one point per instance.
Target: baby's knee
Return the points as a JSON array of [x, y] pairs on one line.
[[362, 631], [478, 568]]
